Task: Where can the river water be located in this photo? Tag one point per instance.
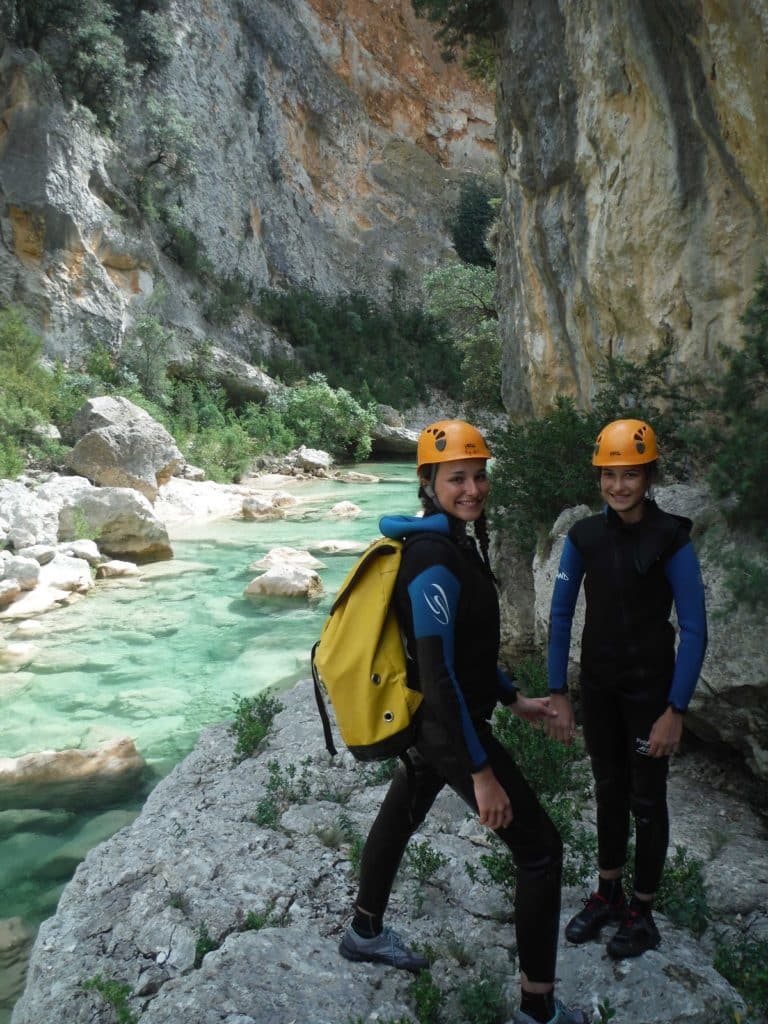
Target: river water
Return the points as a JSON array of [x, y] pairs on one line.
[[157, 658]]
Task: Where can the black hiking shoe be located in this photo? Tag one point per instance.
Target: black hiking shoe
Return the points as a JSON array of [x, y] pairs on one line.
[[637, 933], [597, 912], [386, 948]]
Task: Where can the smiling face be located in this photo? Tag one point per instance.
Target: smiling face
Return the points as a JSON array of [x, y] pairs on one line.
[[623, 489], [462, 487]]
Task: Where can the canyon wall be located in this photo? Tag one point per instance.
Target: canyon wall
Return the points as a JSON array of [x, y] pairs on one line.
[[328, 141], [632, 139]]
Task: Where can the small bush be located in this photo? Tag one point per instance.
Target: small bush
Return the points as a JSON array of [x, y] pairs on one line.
[[682, 895], [427, 998], [284, 787], [744, 963], [253, 718], [326, 418], [204, 945], [735, 446], [472, 221], [482, 1001], [115, 994], [392, 355], [541, 467]]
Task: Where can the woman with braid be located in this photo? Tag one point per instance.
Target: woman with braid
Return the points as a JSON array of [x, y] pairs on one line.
[[636, 561], [448, 611]]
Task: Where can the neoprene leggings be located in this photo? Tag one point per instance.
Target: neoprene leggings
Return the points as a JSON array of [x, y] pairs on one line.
[[532, 838], [627, 781]]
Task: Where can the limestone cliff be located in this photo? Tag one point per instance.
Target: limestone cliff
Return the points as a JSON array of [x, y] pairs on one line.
[[327, 140], [632, 138]]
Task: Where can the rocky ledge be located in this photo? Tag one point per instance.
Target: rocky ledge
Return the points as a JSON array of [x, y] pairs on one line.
[[225, 899]]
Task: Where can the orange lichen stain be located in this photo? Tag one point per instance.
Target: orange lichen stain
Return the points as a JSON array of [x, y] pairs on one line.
[[126, 280], [28, 234]]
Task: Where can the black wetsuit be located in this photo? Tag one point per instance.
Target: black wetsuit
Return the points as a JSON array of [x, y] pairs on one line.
[[630, 672], [448, 609]]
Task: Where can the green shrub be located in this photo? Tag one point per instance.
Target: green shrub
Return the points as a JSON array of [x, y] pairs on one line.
[[682, 894], [253, 717], [542, 466], [146, 352], [388, 355], [115, 994], [472, 220], [463, 298], [464, 25], [205, 944], [327, 418], [284, 787], [12, 460], [560, 777], [735, 445], [744, 963], [427, 998], [482, 1001]]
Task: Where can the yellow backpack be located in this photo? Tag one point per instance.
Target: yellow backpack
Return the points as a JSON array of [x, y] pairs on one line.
[[359, 661]]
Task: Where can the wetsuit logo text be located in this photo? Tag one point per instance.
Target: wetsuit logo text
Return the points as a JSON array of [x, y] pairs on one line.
[[438, 604]]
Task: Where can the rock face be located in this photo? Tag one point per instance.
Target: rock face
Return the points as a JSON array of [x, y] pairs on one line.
[[275, 899], [330, 141], [729, 704], [632, 138]]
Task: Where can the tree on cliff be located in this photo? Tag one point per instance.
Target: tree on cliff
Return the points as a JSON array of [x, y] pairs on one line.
[[469, 26]]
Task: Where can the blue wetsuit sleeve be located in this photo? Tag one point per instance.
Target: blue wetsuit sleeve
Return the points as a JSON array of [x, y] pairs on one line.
[[684, 575], [564, 596], [434, 597], [507, 688]]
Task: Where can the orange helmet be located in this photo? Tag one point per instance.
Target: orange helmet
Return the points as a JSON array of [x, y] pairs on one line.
[[625, 443], [450, 441]]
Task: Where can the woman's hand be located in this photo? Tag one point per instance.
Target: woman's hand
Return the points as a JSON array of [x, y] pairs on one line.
[[493, 806], [666, 734], [532, 709], [562, 726]]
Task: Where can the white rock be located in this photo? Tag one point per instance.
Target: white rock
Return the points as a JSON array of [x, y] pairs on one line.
[[41, 553], [261, 507], [35, 602], [286, 556], [287, 581], [116, 568], [28, 629], [20, 653], [338, 547], [67, 573], [312, 458], [25, 570], [345, 510], [9, 591], [86, 549]]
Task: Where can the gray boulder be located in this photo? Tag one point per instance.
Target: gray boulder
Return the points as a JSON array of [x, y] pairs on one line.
[[133, 450]]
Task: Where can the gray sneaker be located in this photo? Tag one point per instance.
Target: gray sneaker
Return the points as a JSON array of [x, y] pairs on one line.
[[563, 1015], [386, 948]]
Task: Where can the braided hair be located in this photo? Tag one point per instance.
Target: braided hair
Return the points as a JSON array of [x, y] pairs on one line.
[[459, 529]]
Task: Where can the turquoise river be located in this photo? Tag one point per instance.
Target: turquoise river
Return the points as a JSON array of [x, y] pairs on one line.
[[157, 658]]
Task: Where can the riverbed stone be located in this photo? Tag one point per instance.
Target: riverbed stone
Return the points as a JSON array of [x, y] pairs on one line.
[[71, 778], [286, 556], [344, 510], [286, 581]]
